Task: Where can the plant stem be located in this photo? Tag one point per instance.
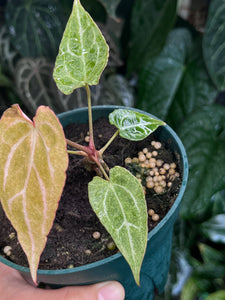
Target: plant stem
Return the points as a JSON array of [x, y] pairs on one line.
[[89, 113], [103, 171], [82, 153], [101, 151], [78, 146]]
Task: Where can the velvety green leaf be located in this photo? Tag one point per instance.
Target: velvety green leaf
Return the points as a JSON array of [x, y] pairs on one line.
[[214, 229], [34, 160], [83, 52], [203, 135], [150, 23], [110, 6], [132, 125], [219, 295], [214, 43], [175, 83], [35, 27], [121, 207]]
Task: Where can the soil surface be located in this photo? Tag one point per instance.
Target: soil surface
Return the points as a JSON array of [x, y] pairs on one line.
[[70, 243]]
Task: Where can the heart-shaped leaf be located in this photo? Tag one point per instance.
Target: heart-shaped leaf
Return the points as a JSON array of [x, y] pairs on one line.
[[213, 43], [32, 175], [35, 27], [83, 52], [121, 207], [203, 135], [175, 83], [133, 125], [156, 18]]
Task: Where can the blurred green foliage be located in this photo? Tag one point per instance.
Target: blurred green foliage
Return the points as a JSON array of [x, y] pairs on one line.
[[171, 70]]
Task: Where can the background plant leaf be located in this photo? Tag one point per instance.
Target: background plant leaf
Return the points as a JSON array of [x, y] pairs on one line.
[[190, 290], [121, 207], [116, 91], [4, 80], [219, 295], [218, 203], [214, 229], [110, 6], [35, 27], [175, 83], [79, 62], [203, 135], [214, 44], [34, 84], [150, 24], [8, 55], [132, 125], [32, 176]]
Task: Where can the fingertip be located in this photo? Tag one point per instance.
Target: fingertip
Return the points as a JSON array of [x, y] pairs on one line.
[[110, 290]]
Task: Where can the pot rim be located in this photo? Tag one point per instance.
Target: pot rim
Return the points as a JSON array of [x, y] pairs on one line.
[[66, 116]]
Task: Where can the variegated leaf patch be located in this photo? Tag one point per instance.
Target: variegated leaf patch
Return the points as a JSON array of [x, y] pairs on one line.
[[32, 176]]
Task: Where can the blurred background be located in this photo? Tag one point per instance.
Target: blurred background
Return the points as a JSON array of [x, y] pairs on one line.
[[167, 57]]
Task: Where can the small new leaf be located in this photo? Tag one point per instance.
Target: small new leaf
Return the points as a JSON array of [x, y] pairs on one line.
[[83, 52], [32, 176], [132, 125], [121, 207]]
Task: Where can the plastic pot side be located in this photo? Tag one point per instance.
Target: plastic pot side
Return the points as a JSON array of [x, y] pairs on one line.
[[156, 263]]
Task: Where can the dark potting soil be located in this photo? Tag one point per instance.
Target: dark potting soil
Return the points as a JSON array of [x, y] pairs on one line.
[[70, 242]]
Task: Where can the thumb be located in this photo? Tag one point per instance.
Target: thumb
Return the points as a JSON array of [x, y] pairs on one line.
[[109, 290], [13, 286]]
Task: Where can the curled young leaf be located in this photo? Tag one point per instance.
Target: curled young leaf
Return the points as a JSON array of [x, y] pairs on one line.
[[121, 207], [32, 176], [83, 52], [132, 125]]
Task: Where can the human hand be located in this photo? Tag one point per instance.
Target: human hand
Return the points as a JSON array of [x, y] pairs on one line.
[[14, 287]]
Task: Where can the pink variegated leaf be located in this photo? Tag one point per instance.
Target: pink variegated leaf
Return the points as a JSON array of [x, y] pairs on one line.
[[32, 176]]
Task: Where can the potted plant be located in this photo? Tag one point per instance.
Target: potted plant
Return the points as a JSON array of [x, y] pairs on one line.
[[34, 159]]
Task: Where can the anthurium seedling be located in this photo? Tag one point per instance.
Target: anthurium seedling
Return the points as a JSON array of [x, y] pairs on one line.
[[34, 156]]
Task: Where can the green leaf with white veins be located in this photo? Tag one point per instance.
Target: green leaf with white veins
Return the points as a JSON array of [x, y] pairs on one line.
[[121, 207], [83, 52], [133, 125]]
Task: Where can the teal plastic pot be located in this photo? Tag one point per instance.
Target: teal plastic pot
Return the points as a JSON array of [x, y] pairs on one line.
[[157, 258]]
